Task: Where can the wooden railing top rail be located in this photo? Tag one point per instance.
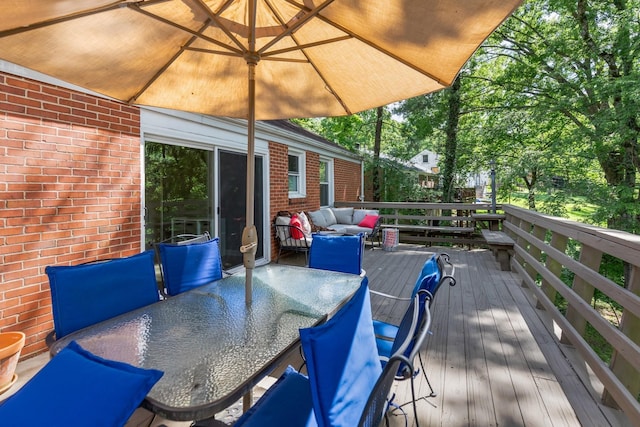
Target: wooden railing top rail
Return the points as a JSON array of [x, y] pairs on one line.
[[620, 244], [541, 256], [418, 205]]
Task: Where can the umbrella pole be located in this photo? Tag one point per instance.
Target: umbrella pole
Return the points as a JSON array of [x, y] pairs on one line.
[[249, 234]]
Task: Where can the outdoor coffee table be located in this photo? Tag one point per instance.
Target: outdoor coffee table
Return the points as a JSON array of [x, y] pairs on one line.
[[212, 348]]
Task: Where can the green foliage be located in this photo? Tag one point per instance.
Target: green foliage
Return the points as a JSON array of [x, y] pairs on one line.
[[165, 161], [356, 132], [400, 183]]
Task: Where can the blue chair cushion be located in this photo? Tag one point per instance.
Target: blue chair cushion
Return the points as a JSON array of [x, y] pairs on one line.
[[188, 266], [384, 329], [384, 347], [78, 388], [86, 294], [337, 253], [286, 403], [342, 362]]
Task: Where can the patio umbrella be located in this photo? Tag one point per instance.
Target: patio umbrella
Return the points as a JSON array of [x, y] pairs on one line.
[[251, 59]]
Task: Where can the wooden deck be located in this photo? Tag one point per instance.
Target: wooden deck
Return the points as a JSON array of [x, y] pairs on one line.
[[491, 359]]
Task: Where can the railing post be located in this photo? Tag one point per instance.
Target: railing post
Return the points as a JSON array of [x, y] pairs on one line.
[[589, 257], [520, 241], [559, 242], [539, 233], [630, 326]]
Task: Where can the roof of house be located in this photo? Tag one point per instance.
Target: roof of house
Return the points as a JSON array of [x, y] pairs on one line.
[[292, 127]]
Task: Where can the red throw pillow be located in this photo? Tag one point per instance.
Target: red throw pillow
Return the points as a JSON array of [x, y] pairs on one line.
[[296, 233], [369, 221]]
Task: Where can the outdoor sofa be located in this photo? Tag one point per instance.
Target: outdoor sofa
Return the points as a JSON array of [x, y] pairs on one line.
[[294, 231]]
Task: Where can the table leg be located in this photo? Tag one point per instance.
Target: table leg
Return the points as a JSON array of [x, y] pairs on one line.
[[210, 422], [247, 401]]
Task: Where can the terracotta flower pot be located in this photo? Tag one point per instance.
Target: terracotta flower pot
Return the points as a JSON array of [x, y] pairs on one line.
[[11, 344]]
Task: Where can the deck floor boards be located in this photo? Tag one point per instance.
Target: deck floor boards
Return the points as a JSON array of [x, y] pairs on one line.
[[490, 358]]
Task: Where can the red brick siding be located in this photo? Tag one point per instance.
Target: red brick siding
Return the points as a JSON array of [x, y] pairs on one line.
[[69, 192], [347, 183]]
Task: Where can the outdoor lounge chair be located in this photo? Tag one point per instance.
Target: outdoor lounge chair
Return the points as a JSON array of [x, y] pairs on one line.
[[346, 386], [86, 294], [376, 234], [285, 233]]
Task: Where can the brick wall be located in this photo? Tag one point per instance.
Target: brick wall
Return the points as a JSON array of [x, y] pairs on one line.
[[347, 181], [69, 192]]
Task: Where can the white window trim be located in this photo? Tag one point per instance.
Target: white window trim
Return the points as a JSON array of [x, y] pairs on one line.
[[302, 182], [330, 177]]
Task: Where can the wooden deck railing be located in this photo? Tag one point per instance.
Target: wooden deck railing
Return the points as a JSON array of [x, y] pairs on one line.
[[541, 258], [548, 249], [429, 222]]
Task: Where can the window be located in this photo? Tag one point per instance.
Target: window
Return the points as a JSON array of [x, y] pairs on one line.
[[325, 183], [296, 174], [425, 158]]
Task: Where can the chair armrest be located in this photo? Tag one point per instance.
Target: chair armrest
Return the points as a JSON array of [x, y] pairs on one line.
[[444, 262], [382, 294]]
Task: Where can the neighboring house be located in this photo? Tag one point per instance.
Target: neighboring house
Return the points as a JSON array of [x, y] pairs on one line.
[[85, 178], [427, 161]]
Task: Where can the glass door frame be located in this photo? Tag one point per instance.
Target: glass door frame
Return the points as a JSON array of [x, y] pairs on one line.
[[214, 178]]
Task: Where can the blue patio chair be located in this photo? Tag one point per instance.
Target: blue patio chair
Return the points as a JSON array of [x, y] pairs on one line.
[[432, 275], [78, 388], [187, 266], [337, 253], [86, 294], [344, 374], [431, 278]]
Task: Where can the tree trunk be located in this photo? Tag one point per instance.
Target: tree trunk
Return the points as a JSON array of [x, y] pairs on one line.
[[451, 145], [376, 155]]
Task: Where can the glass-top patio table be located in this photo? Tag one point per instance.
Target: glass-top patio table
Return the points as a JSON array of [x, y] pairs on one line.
[[211, 346]]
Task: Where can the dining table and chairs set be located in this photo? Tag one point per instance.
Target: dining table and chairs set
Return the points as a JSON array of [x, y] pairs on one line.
[[188, 346]]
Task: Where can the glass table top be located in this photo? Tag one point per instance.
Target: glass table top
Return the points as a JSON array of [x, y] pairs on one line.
[[211, 346]]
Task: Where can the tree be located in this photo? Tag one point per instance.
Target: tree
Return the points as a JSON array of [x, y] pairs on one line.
[[376, 154], [579, 60], [451, 144]]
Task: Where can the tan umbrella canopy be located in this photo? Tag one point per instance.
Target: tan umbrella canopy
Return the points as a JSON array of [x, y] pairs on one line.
[[251, 59]]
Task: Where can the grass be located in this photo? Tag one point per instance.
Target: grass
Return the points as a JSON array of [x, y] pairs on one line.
[[577, 208]]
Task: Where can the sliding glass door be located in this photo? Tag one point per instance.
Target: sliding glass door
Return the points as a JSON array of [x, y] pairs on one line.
[[232, 175], [179, 196], [178, 191]]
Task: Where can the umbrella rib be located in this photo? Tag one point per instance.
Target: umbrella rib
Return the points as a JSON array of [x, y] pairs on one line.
[[216, 19], [306, 46], [70, 17], [301, 47], [211, 51], [197, 34], [384, 51], [297, 22], [165, 66]]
